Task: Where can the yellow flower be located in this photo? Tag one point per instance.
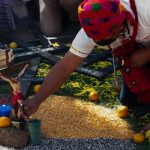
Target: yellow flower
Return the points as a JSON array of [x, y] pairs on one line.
[[147, 134], [55, 44], [75, 85], [90, 90]]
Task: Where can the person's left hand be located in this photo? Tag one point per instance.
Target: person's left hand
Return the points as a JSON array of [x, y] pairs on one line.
[[146, 128], [140, 58], [30, 105], [141, 110]]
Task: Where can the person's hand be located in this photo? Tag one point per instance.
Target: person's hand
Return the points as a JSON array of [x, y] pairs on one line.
[[20, 1], [4, 78], [11, 56], [140, 58], [146, 128], [30, 106], [141, 110]]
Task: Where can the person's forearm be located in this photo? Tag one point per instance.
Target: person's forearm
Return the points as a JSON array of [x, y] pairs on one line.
[[140, 58], [56, 77], [149, 52]]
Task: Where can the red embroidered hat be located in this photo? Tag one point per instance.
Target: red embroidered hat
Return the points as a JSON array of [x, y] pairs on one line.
[[101, 18]]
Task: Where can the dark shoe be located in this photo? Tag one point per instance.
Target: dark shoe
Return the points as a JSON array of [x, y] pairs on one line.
[[141, 110]]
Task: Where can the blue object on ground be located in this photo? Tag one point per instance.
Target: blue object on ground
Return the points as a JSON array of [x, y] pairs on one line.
[[5, 110]]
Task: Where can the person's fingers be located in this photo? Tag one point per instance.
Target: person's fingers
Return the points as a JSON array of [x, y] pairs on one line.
[[141, 110], [10, 56], [30, 106], [146, 128], [133, 62], [27, 65], [27, 108], [1, 75], [26, 118], [22, 109]]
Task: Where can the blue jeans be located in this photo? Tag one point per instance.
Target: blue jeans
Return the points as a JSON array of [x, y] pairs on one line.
[[128, 98]]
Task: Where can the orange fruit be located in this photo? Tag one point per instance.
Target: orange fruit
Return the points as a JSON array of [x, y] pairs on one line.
[[13, 45], [138, 138], [122, 111], [36, 88], [5, 121], [93, 96]]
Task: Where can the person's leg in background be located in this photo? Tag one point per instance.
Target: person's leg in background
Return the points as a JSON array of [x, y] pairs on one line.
[[128, 98], [20, 9], [71, 23], [33, 10], [50, 17], [71, 7]]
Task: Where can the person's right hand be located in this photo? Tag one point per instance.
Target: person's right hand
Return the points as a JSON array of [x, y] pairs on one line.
[[30, 106], [146, 128], [140, 58]]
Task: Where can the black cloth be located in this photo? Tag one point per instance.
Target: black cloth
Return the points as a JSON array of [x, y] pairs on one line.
[[130, 100]]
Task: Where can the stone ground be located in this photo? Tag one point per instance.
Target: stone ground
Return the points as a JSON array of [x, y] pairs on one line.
[[80, 144]]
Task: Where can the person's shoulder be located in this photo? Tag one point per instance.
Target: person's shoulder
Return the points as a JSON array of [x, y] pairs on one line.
[[82, 45], [143, 11], [143, 4], [126, 4], [142, 7], [83, 39], [82, 34]]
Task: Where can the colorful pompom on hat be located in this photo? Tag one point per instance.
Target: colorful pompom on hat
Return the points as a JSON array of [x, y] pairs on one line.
[[101, 18]]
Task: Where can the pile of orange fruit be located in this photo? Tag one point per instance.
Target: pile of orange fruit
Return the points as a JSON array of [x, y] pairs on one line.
[[122, 112]]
